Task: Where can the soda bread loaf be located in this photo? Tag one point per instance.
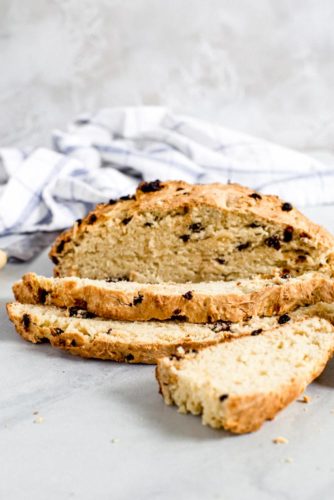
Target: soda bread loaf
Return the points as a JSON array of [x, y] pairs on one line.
[[191, 302], [238, 385], [177, 232], [79, 332]]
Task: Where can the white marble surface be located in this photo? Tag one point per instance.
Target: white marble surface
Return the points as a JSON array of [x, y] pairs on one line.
[[107, 434]]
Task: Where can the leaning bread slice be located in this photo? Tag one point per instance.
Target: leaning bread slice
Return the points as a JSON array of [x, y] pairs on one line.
[[192, 302], [238, 385], [174, 231], [79, 332]]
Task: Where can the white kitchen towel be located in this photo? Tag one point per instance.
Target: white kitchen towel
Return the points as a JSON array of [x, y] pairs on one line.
[[105, 155]]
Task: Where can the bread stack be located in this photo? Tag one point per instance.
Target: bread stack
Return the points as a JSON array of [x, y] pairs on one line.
[[227, 290]]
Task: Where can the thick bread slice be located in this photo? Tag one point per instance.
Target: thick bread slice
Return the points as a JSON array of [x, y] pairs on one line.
[[75, 330], [192, 302], [177, 232], [115, 340], [238, 385]]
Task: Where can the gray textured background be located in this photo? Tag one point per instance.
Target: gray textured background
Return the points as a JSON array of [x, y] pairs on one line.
[[263, 67]]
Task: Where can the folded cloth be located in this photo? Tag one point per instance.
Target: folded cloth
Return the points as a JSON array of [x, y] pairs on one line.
[[105, 155]]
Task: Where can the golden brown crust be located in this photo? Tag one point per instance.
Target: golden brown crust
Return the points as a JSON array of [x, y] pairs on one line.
[[245, 414], [174, 196], [238, 414], [201, 308], [101, 346]]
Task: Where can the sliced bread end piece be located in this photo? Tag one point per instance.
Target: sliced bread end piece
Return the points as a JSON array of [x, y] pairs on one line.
[[80, 333], [238, 385]]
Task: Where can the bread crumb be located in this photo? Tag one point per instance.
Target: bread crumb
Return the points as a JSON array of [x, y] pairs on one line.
[[280, 440], [39, 420], [305, 399]]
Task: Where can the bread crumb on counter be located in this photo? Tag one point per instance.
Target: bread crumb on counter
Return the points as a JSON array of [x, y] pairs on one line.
[[280, 440], [39, 420], [304, 399]]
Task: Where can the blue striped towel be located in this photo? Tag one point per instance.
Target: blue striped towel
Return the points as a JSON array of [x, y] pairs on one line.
[[106, 154]]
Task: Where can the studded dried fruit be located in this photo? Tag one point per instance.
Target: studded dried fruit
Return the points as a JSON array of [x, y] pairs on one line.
[[138, 300], [179, 317], [255, 196], [220, 260], [243, 246], [126, 220], [283, 319], [196, 227], [288, 234], [273, 242], [286, 207], [26, 321], [42, 294], [127, 197], [91, 219], [151, 187], [60, 247]]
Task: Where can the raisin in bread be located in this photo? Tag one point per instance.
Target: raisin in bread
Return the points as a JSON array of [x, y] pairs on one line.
[[192, 302], [174, 231], [238, 385]]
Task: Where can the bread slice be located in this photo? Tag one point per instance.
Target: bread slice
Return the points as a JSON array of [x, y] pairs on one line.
[[78, 332], [177, 232], [238, 385], [192, 302]]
